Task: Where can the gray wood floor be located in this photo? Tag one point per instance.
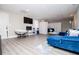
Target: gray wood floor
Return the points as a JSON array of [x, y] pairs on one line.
[[32, 45]]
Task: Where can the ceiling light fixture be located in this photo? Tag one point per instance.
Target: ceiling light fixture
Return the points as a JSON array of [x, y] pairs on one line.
[[27, 10]]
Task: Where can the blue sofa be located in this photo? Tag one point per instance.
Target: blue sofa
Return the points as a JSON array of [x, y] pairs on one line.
[[65, 42]]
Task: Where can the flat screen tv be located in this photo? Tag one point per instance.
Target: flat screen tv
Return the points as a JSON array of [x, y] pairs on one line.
[[28, 28], [28, 20]]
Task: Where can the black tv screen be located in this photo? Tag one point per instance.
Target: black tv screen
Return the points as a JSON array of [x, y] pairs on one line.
[[28, 20], [28, 28]]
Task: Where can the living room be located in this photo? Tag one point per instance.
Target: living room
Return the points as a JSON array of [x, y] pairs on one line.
[[29, 25]]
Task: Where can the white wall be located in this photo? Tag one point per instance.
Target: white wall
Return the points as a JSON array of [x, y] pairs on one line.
[[4, 22], [56, 26], [35, 25], [43, 27], [15, 21]]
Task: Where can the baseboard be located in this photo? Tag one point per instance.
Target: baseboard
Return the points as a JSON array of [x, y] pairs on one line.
[[12, 36], [9, 37]]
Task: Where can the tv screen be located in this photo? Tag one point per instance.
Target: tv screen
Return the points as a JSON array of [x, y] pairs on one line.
[[28, 20], [28, 28]]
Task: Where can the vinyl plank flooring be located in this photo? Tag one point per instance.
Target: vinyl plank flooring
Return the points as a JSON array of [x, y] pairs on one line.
[[32, 45]]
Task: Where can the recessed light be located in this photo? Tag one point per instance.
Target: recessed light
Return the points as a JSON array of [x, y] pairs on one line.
[[27, 10]]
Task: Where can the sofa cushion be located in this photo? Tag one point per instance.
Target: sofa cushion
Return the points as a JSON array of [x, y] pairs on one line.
[[73, 32], [63, 33]]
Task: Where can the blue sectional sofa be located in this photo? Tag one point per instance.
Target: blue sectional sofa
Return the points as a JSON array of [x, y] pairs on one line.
[[65, 42]]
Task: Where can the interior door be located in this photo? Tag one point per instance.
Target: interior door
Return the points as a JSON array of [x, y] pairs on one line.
[[4, 21]]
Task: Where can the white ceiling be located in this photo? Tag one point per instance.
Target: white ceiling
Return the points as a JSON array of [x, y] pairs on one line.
[[42, 11]]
